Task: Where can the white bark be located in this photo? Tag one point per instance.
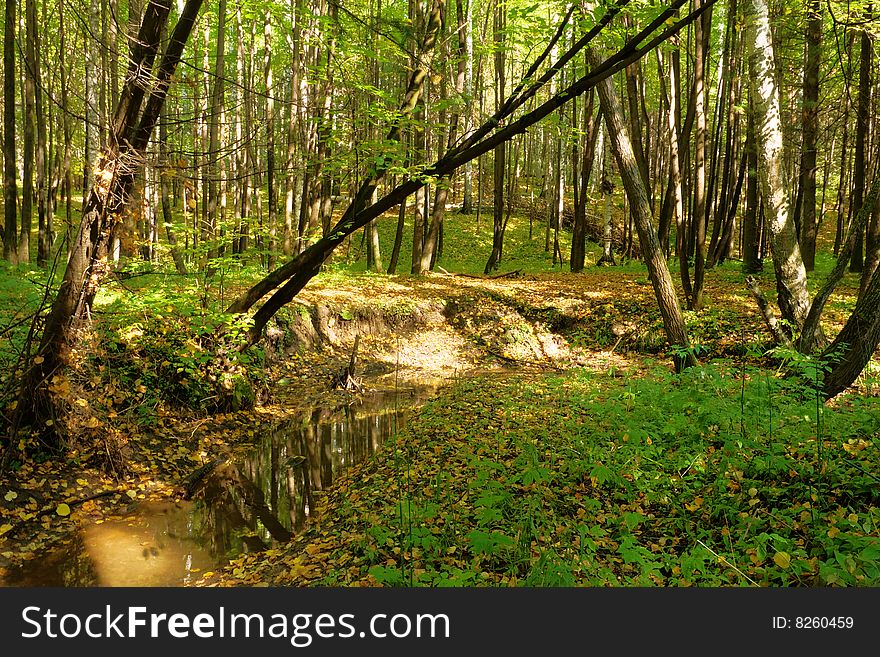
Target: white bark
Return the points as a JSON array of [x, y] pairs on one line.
[[791, 275]]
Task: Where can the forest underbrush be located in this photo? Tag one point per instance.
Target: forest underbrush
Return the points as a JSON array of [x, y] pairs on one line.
[[560, 450]]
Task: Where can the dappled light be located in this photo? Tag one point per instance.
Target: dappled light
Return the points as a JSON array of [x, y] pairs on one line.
[[439, 294]]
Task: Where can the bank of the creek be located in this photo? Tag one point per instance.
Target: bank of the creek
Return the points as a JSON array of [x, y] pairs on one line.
[[247, 503], [134, 528]]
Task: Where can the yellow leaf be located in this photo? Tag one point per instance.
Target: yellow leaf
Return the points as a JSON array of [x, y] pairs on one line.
[[132, 494], [82, 482], [62, 509], [11, 495], [5, 528], [782, 559], [38, 360]]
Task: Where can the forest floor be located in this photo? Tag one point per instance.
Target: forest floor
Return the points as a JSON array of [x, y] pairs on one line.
[[561, 448]]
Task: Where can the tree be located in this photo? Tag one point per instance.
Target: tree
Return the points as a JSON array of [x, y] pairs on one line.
[[658, 271], [791, 275], [10, 175], [136, 115], [809, 227]]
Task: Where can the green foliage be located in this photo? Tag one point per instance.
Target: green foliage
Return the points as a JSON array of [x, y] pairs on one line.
[[162, 345], [708, 478]]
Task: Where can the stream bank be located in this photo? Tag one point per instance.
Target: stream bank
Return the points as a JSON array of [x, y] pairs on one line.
[[431, 331]]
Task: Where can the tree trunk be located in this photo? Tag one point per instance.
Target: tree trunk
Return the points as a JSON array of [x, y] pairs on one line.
[[698, 217], [588, 155], [271, 195], [860, 154], [10, 169], [164, 173], [810, 129], [865, 124], [106, 200], [791, 276], [466, 34], [751, 238], [658, 271], [215, 159], [500, 150]]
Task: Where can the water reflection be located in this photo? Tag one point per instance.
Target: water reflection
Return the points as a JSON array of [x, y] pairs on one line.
[[242, 506], [297, 462]]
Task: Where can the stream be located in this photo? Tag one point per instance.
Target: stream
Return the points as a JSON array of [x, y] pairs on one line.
[[246, 505]]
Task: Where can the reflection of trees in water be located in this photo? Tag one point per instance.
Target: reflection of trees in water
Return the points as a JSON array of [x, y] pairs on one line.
[[298, 460], [246, 505]]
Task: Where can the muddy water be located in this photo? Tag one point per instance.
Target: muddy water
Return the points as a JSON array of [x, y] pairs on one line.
[[246, 505]]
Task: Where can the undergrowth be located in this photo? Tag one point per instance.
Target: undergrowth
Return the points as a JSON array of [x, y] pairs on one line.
[[721, 476]]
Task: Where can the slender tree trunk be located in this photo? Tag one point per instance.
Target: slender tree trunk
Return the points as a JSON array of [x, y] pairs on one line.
[[698, 218], [500, 150], [810, 130], [34, 110], [465, 33], [588, 155], [658, 271], [165, 172], [860, 161], [215, 159], [866, 123], [271, 195], [843, 180], [10, 169]]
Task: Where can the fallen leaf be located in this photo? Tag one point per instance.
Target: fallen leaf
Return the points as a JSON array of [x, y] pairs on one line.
[[782, 559]]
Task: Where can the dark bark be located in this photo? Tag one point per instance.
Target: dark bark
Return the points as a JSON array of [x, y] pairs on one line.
[[809, 226], [751, 239], [698, 216], [10, 173], [107, 198], [652, 253], [860, 161], [500, 150], [588, 155]]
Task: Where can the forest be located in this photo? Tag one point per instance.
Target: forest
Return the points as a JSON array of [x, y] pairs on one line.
[[434, 293]]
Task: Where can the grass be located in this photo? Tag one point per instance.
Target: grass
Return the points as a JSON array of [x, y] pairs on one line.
[[724, 476]]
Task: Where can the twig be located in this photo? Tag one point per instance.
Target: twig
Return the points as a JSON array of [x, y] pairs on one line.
[[721, 557], [508, 274]]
